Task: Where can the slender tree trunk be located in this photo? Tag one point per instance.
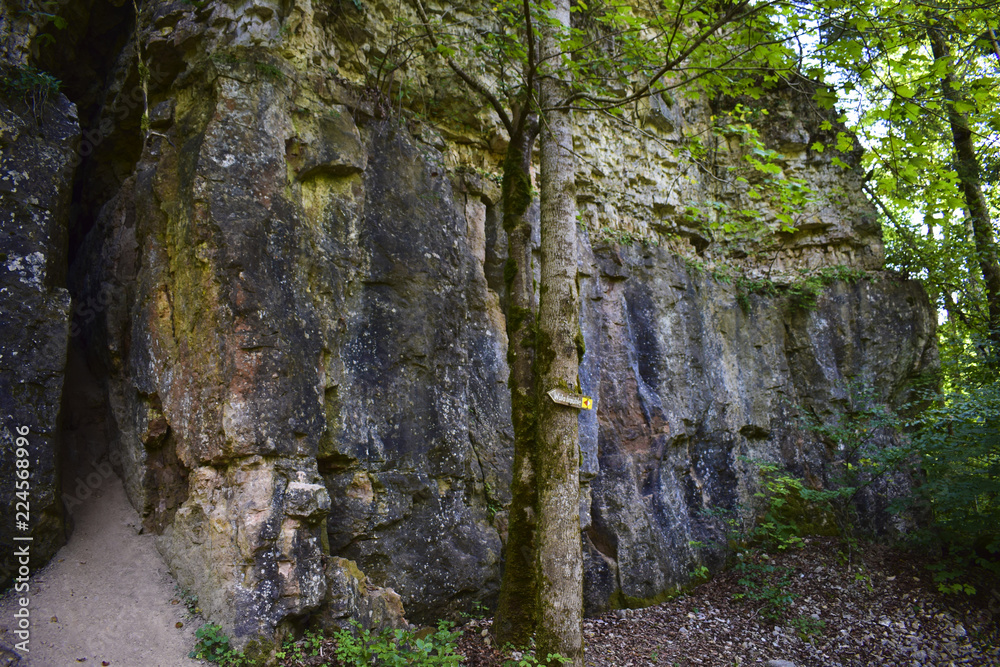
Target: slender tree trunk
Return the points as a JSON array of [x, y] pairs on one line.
[[515, 620], [967, 166], [559, 557]]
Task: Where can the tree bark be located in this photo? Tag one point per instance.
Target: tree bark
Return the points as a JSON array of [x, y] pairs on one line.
[[515, 620], [559, 559], [967, 166]]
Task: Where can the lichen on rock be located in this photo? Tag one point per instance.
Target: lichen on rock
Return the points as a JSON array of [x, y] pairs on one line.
[[37, 151], [303, 352]]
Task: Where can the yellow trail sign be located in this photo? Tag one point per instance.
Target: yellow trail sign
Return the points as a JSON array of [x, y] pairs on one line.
[[578, 401]]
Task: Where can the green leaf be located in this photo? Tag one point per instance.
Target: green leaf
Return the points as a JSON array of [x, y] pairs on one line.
[[825, 98], [963, 107], [844, 142]]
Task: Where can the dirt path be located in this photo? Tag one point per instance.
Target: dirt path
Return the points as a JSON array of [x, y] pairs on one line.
[[106, 598]]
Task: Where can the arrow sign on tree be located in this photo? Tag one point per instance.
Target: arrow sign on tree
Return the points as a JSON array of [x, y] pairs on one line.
[[578, 401]]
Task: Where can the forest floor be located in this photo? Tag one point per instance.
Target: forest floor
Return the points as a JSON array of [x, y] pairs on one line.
[[107, 599], [824, 605]]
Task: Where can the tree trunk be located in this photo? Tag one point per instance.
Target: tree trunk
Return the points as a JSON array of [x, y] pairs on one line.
[[515, 619], [967, 166], [559, 560]]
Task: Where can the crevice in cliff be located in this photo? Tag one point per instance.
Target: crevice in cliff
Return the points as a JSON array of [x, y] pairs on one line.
[[83, 454], [91, 57]]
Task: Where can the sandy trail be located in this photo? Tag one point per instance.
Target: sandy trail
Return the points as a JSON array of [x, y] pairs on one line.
[[106, 598]]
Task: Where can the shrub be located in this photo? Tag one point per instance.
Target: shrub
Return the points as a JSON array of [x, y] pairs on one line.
[[392, 648], [213, 645], [957, 441], [768, 585], [31, 85]]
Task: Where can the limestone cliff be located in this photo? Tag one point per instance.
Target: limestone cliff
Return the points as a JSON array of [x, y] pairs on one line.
[[299, 354], [37, 142]]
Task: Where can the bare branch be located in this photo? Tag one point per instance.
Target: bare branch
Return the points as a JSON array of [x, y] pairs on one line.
[[463, 75], [618, 102], [529, 77], [645, 89]]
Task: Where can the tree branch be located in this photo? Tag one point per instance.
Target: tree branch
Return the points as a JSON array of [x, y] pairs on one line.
[[463, 75], [670, 65], [522, 115]]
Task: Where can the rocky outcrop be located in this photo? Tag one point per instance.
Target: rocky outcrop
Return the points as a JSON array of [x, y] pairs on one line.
[[38, 137], [351, 600], [691, 386], [303, 356], [301, 350]]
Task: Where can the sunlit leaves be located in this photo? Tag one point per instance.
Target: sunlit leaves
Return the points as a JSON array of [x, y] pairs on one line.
[[878, 56], [825, 98]]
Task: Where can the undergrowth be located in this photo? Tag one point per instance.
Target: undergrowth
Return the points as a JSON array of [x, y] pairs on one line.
[[802, 292], [952, 449], [214, 646], [359, 647], [31, 86]]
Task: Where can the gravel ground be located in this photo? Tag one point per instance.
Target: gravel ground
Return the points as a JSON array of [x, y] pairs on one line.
[[105, 599], [867, 606]]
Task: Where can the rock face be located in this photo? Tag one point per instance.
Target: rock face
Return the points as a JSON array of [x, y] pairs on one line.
[[37, 159], [301, 343], [690, 385], [303, 356]]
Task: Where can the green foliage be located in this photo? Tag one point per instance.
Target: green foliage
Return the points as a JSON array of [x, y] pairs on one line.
[[807, 626], [493, 504], [613, 54], [866, 435], [912, 77], [43, 13], [858, 430], [766, 585], [393, 648], [803, 291], [31, 85], [624, 237], [527, 658], [491, 176], [226, 58], [788, 510], [886, 69], [746, 286], [190, 601], [752, 197], [959, 444], [957, 440], [269, 71], [298, 650], [785, 510], [479, 610], [951, 575], [213, 645]]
